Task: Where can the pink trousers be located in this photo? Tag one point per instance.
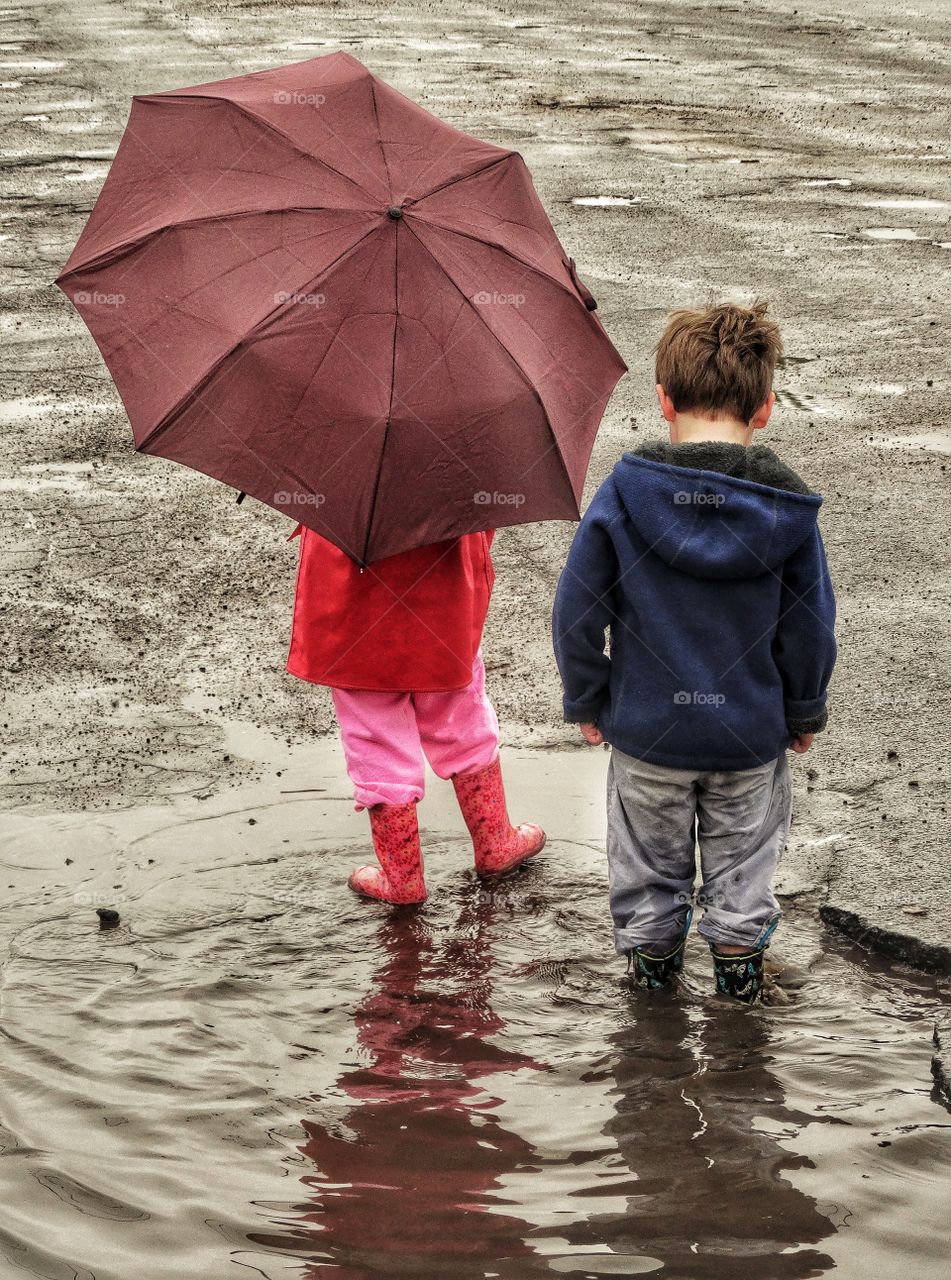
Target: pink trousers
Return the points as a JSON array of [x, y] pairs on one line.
[[385, 735]]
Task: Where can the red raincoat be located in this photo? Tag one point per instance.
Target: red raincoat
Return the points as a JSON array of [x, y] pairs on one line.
[[409, 623]]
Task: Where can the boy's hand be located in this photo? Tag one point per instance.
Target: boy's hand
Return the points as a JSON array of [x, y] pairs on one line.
[[802, 742], [591, 734]]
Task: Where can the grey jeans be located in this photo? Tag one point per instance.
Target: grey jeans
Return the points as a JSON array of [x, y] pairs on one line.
[[657, 816]]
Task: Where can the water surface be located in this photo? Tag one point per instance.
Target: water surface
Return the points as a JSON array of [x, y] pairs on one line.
[[257, 1074]]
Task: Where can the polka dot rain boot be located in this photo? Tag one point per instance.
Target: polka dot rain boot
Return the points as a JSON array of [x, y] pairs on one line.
[[399, 877], [499, 847]]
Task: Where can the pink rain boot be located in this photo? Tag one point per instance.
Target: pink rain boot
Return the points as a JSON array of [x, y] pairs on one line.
[[396, 841], [499, 847]]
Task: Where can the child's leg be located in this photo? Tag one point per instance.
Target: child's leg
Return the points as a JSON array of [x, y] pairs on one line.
[[743, 821], [381, 745], [651, 852], [460, 736], [459, 731]]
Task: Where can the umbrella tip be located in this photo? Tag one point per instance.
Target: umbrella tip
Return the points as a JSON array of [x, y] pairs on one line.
[[395, 211]]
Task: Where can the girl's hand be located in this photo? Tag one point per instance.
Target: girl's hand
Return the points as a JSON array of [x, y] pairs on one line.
[[802, 742], [591, 734]]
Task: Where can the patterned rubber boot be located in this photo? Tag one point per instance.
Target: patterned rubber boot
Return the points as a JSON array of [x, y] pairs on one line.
[[645, 968], [739, 976], [399, 877], [499, 847], [654, 972]]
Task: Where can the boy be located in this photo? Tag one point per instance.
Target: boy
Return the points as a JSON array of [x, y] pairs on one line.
[[703, 559]]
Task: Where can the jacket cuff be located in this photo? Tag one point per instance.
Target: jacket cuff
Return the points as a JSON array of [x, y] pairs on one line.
[[582, 712], [806, 723]]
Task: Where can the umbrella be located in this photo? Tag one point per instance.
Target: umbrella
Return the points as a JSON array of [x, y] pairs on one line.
[[308, 287]]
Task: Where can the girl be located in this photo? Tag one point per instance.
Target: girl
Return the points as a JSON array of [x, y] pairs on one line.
[[398, 644]]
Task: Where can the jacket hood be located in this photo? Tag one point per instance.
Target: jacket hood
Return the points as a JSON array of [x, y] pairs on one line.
[[713, 509]]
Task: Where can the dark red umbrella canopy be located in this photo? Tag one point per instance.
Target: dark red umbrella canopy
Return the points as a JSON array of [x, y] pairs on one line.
[[308, 287]]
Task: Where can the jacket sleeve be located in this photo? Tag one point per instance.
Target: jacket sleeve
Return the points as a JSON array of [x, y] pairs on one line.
[[584, 608], [804, 646]]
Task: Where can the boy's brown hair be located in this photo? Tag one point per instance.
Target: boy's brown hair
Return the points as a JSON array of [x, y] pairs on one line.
[[719, 359]]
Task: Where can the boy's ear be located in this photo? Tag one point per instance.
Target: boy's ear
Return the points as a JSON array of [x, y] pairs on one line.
[[761, 416], [666, 404]]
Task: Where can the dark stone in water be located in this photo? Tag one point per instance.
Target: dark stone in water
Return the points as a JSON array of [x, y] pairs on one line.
[[108, 918]]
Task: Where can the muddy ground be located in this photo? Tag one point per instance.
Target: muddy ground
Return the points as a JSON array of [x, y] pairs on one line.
[[797, 151]]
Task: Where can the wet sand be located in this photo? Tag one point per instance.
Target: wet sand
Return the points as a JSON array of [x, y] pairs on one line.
[[746, 151], [192, 1092]]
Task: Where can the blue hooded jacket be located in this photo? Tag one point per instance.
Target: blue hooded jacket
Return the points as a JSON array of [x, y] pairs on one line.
[[705, 563]]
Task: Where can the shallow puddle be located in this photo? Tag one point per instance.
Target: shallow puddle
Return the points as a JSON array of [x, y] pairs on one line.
[[257, 1074], [606, 201], [903, 233], [890, 233], [913, 202], [936, 441]]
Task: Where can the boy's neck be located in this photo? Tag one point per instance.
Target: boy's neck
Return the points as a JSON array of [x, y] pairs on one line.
[[689, 428]]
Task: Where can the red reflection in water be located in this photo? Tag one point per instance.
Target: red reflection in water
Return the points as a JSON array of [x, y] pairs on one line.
[[414, 1169]]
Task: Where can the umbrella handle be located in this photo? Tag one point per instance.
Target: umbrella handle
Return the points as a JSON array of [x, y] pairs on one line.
[[584, 293]]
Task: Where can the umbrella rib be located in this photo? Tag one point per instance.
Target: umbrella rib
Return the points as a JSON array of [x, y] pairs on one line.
[[472, 173], [265, 123], [116, 251], [522, 373], [389, 410], [203, 382], [531, 266], [336, 337], [379, 135]]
